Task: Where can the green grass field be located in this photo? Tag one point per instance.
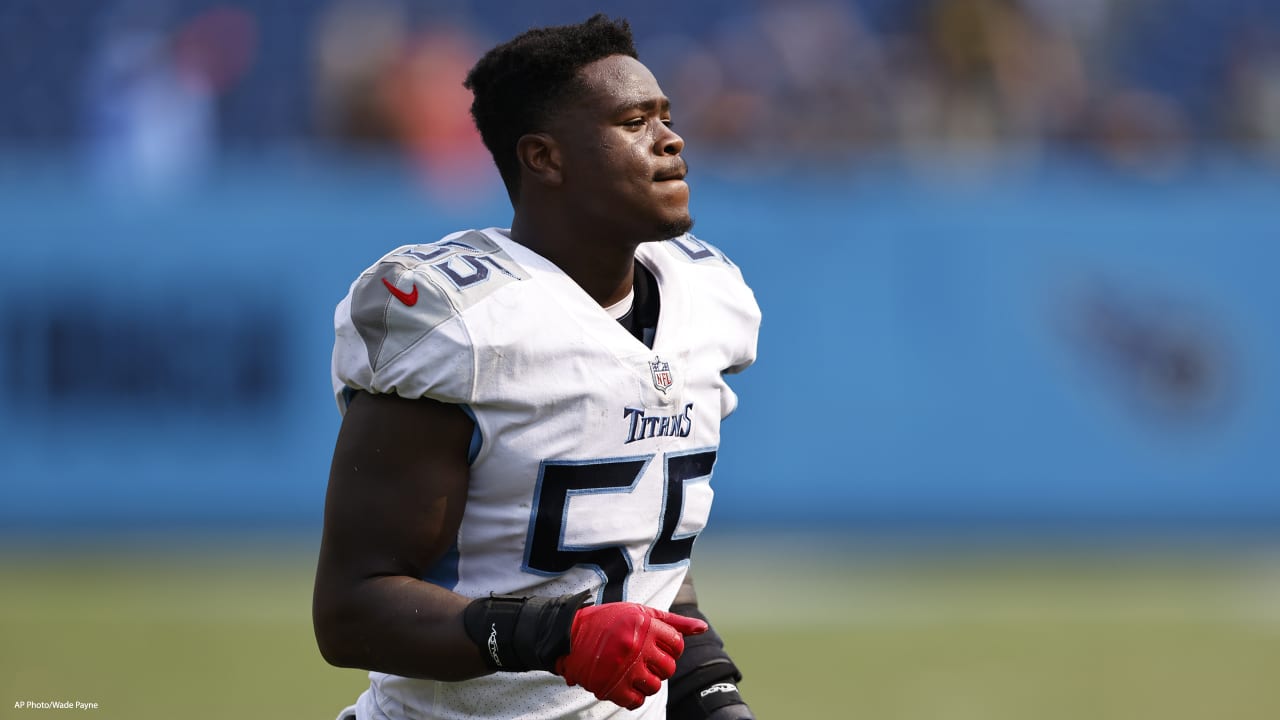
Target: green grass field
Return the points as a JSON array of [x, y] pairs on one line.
[[823, 628]]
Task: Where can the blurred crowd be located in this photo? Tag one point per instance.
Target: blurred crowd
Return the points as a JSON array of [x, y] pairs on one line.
[[161, 86]]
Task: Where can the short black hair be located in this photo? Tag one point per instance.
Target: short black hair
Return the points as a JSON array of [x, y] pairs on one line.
[[517, 83]]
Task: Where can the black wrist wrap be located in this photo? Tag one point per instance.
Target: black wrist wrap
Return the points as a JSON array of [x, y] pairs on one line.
[[516, 634], [705, 678]]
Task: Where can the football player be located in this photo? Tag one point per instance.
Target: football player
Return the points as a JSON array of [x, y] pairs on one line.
[[531, 418]]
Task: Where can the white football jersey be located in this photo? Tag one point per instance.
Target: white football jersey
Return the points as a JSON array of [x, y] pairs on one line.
[[593, 455]]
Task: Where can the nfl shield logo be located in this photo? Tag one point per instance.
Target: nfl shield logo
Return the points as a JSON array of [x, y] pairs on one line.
[[661, 374]]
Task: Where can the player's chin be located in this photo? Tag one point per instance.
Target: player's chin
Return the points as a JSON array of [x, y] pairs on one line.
[[678, 224], [673, 194], [674, 212]]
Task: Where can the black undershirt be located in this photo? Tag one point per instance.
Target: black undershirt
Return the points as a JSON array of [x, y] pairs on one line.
[[642, 319]]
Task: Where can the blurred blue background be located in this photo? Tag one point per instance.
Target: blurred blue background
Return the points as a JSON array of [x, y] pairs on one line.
[[1015, 257]]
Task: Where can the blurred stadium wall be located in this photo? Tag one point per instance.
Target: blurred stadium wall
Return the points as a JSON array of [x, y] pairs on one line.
[[1074, 350], [1016, 258]]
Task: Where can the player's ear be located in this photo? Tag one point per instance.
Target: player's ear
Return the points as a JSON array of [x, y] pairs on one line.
[[539, 156]]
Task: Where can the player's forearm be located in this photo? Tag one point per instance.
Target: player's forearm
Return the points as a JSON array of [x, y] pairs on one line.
[[398, 625], [620, 652]]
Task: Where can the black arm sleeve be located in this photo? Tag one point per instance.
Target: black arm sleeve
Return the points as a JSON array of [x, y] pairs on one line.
[[706, 678]]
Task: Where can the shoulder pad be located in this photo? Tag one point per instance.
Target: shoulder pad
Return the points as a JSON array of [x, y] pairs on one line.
[[416, 288]]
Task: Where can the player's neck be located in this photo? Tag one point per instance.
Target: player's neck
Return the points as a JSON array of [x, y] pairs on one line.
[[601, 266]]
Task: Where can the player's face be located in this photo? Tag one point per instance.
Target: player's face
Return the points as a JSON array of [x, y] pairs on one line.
[[621, 158]]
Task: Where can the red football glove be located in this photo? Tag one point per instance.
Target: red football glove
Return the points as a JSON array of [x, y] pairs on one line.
[[621, 652]]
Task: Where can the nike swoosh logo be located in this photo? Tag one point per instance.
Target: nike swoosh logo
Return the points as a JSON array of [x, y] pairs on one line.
[[408, 298]]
